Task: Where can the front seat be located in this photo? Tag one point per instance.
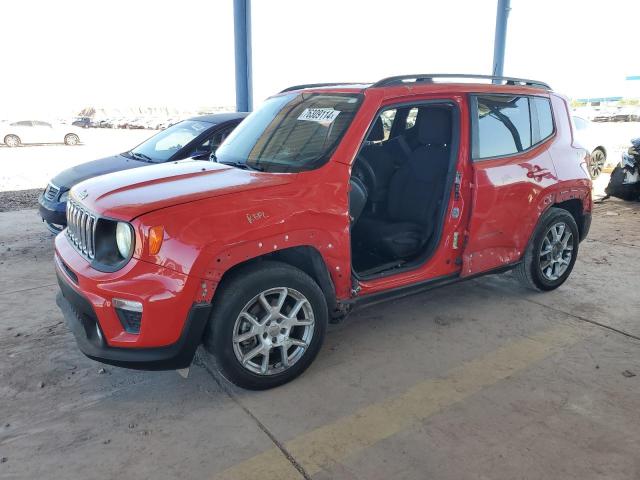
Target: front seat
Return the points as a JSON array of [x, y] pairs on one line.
[[415, 192]]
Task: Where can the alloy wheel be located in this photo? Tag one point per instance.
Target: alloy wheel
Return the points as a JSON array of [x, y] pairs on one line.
[[71, 139], [556, 251], [273, 331], [597, 163], [11, 141]]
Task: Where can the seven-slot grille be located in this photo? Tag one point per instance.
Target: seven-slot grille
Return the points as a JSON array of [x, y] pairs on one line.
[[51, 192], [81, 229]]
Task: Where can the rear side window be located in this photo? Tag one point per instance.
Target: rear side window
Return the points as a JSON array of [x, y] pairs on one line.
[[545, 117], [506, 124]]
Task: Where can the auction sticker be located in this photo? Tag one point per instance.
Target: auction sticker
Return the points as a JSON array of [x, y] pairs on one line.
[[320, 115]]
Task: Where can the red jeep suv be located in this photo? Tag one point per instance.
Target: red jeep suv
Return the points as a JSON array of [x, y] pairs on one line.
[[326, 198]]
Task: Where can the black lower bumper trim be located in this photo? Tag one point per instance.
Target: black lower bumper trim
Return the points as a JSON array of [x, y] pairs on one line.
[[82, 321]]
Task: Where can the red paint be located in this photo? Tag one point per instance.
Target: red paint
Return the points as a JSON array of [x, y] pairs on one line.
[[216, 217]]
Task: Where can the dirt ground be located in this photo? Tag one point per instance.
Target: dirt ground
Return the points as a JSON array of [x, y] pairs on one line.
[[19, 200], [479, 380]]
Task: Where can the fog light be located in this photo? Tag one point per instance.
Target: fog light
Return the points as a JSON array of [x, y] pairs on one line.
[[129, 313]]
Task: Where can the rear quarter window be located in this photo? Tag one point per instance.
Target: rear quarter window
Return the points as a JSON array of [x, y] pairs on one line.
[[507, 125]]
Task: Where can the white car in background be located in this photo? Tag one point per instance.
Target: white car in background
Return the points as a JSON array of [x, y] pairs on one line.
[[589, 136], [14, 134]]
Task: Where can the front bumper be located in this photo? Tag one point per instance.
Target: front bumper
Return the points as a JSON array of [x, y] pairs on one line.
[[82, 321], [53, 212], [172, 322]]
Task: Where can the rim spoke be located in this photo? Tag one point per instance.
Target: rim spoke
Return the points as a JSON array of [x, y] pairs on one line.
[[296, 308], [264, 302], [251, 354], [284, 355], [281, 299], [565, 238], [244, 336], [297, 343], [544, 265], [253, 320], [264, 368], [302, 322]]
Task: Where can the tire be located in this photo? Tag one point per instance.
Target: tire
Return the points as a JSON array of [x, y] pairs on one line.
[[240, 312], [596, 164], [71, 139], [12, 141], [544, 272]]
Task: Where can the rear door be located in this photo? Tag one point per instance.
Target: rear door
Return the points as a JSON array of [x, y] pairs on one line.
[[511, 136]]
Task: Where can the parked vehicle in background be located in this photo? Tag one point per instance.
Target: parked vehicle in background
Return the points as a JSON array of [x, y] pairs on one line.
[[627, 113], [194, 138], [592, 139], [25, 132], [625, 178], [82, 122], [317, 206]]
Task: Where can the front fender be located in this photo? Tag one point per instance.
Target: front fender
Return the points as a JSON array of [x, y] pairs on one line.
[[208, 237]]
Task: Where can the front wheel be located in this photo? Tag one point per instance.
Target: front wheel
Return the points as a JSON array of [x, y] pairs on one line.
[[12, 141], [71, 139], [267, 325], [551, 253]]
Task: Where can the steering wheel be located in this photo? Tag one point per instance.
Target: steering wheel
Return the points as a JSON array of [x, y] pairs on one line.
[[363, 171]]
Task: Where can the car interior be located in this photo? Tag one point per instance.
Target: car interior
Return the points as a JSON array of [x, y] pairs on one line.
[[400, 181]]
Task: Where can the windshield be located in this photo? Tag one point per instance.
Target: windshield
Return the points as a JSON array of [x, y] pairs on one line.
[[290, 133], [162, 146]]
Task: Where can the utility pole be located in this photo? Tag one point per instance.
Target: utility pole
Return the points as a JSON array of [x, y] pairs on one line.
[[500, 40], [242, 37]]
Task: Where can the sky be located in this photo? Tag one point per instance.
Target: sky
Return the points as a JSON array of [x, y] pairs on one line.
[[65, 54]]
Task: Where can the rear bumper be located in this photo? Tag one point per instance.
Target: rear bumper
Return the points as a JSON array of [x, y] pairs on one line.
[[83, 322]]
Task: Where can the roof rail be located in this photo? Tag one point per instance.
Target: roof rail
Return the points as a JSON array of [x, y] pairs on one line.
[[316, 85], [428, 78]]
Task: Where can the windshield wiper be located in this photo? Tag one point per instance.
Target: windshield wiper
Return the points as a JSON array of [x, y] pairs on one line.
[[141, 156], [243, 166]]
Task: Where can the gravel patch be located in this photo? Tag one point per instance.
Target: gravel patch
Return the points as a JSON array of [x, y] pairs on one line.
[[19, 199]]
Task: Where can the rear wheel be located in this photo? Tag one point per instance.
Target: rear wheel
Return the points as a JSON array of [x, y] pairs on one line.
[[267, 325], [598, 159], [71, 139], [551, 253], [12, 141]]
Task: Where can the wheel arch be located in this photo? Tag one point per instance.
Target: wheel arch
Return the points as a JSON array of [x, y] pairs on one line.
[[304, 257], [576, 208]]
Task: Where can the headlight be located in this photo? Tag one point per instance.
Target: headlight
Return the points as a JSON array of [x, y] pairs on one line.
[[64, 197], [124, 239]]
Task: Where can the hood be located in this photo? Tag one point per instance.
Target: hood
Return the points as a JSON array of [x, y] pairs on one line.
[[128, 194], [69, 177]]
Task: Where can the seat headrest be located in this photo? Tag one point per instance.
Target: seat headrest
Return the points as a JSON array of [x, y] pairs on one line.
[[434, 126], [377, 131]]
